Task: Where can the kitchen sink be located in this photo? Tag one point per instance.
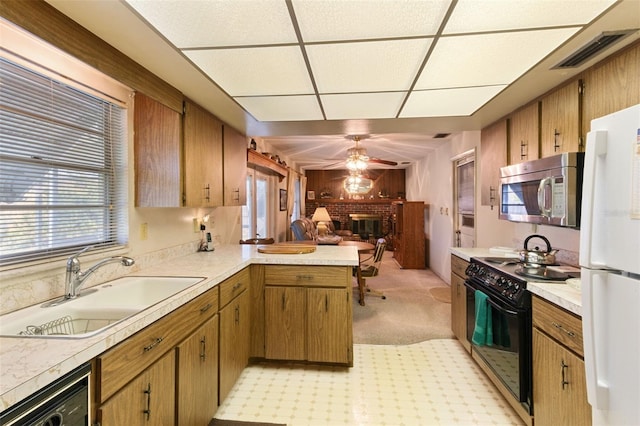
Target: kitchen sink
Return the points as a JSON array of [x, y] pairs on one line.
[[94, 310]]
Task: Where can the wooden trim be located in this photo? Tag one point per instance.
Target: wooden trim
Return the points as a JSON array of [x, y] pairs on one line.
[[260, 161], [46, 22]]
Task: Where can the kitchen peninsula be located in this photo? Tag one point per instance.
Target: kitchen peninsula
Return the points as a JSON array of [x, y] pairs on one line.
[[35, 362]]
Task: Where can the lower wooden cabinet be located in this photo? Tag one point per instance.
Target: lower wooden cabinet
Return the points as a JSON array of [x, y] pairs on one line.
[[285, 323], [559, 381], [197, 375], [148, 400], [459, 301], [307, 314], [234, 342]]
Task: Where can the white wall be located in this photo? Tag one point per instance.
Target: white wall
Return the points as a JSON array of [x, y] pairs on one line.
[[431, 180]]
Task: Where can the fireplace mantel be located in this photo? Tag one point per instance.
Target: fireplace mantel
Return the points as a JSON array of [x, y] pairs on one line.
[[348, 201]]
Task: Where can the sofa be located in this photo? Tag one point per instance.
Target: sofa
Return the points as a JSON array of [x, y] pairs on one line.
[[304, 229]]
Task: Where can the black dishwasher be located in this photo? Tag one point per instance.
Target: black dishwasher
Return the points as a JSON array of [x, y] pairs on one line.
[[63, 402]]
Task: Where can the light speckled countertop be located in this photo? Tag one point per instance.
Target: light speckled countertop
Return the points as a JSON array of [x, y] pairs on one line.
[[561, 294], [28, 364]]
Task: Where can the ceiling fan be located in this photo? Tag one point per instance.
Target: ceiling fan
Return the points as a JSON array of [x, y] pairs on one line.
[[358, 160]]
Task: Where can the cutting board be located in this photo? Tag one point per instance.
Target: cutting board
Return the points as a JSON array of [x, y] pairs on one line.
[[286, 249]]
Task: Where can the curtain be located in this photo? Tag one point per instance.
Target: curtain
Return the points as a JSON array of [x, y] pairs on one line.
[[303, 195]]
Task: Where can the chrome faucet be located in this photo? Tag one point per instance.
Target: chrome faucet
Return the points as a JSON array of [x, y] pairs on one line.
[[75, 278]]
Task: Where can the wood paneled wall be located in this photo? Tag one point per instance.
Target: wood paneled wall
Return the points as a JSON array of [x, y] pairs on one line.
[[389, 182]]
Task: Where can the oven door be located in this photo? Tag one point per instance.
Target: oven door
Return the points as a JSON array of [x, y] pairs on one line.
[[509, 356]]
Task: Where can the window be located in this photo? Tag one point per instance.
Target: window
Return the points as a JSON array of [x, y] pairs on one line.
[[255, 215], [63, 178]]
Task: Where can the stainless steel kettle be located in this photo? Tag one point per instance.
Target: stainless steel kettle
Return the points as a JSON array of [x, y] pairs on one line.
[[537, 256]]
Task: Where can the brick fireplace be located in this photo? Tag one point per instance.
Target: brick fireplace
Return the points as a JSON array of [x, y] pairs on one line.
[[341, 211]]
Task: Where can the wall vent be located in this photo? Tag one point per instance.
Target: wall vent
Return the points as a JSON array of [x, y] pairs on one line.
[[441, 135], [592, 48]]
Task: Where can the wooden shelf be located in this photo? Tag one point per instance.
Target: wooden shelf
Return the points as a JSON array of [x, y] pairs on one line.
[[266, 164]]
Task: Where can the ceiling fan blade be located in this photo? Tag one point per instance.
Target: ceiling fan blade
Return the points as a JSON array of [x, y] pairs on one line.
[[380, 161]]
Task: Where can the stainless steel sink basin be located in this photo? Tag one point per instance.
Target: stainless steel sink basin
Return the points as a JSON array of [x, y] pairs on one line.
[[94, 310]]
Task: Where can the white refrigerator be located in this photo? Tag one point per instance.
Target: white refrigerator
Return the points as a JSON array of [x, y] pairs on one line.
[[610, 267]]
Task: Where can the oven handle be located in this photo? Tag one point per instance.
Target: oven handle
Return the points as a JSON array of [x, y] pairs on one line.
[[494, 304]]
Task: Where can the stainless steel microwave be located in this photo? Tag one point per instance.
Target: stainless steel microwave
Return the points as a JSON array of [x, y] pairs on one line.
[[547, 191]]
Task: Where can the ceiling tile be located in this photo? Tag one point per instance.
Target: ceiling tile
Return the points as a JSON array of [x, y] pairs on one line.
[[367, 66], [448, 102], [475, 16], [362, 105], [197, 23], [255, 71], [282, 108], [356, 20], [487, 59]]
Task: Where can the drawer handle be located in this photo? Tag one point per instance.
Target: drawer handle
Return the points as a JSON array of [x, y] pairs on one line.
[[155, 343], [237, 286], [205, 308], [567, 332], [305, 277], [147, 392]]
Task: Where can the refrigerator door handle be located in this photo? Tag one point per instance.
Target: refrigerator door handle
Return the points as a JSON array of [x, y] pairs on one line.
[[593, 163], [593, 324]]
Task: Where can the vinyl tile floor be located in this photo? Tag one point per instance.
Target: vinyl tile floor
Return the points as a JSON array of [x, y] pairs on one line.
[[429, 383]]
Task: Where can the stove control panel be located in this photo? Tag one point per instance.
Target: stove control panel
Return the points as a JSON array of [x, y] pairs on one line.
[[510, 287]]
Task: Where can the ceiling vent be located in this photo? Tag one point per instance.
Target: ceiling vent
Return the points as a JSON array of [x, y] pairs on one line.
[[441, 135], [592, 48]]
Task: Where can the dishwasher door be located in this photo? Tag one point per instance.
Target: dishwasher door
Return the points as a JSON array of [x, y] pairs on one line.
[[64, 402]]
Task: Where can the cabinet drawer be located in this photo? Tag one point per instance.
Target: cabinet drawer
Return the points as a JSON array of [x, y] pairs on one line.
[[307, 276], [233, 286], [459, 266], [119, 365], [561, 325]]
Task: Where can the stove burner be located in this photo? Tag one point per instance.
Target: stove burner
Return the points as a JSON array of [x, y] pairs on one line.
[[540, 272]]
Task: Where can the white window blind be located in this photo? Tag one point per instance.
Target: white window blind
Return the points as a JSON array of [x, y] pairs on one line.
[[62, 168]]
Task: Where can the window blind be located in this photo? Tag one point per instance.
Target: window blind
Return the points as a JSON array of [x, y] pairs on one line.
[[62, 168]]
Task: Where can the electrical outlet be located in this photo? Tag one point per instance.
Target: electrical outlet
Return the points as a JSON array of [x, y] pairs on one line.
[[196, 225], [144, 231]]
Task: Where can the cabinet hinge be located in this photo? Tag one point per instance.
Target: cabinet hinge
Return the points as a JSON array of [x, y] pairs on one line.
[[581, 87], [581, 144]]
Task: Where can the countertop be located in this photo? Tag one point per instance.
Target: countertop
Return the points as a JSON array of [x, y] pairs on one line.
[[560, 294], [28, 364]]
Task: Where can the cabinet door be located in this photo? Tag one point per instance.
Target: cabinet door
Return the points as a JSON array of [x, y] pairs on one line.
[[459, 310], [234, 342], [524, 131], [560, 121], [611, 86], [202, 157], [559, 384], [197, 378], [156, 154], [493, 155], [328, 325], [285, 323], [147, 400], [235, 167]]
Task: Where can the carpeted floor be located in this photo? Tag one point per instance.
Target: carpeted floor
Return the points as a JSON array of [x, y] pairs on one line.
[[416, 307]]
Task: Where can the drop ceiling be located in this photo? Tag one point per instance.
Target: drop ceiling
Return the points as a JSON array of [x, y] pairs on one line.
[[307, 74]]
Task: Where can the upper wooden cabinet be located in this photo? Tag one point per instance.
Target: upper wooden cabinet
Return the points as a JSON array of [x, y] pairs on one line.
[[524, 134], [611, 85], [493, 155], [202, 157], [235, 167], [560, 129], [156, 154]]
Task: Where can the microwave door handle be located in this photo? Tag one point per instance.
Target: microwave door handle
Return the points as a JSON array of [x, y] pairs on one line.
[[541, 192]]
